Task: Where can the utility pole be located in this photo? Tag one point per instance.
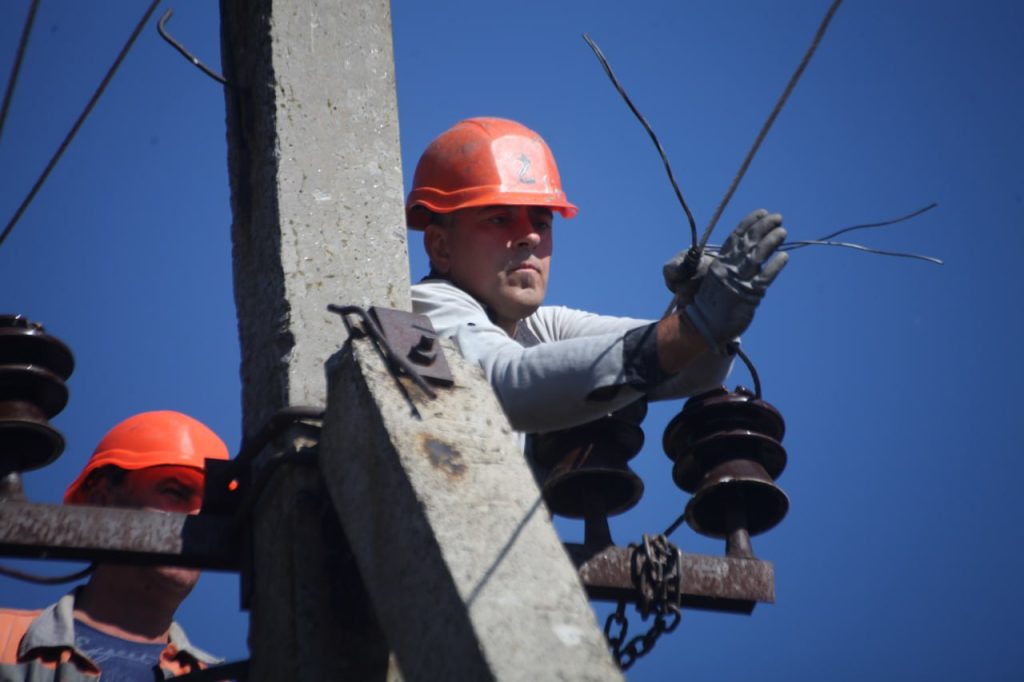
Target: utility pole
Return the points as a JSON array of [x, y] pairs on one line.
[[316, 185], [463, 565]]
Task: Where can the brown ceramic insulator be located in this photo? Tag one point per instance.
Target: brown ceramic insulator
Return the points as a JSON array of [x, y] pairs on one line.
[[717, 411], [592, 476], [35, 385], [33, 368], [27, 441], [587, 466], [724, 446], [736, 485], [26, 343]]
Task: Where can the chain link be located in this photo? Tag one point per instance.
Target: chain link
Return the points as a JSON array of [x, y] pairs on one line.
[[657, 568]]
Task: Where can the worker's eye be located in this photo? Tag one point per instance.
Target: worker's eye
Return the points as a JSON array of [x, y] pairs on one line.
[[178, 492]]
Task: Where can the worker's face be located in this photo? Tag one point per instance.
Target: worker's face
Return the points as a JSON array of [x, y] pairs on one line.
[[161, 488], [499, 254]]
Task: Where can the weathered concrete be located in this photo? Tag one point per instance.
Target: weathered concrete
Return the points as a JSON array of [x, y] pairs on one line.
[[316, 185], [316, 191], [310, 616], [468, 577]]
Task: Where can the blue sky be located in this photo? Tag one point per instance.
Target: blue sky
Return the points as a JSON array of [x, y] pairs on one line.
[[897, 378]]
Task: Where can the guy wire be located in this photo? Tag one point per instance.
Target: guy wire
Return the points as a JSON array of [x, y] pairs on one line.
[[22, 45], [771, 119], [81, 119]]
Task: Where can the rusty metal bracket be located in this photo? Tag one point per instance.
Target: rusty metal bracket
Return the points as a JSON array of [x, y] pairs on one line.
[[410, 346], [413, 337], [53, 531], [708, 582]]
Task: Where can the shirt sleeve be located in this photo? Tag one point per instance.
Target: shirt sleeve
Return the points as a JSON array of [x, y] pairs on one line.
[[577, 373]]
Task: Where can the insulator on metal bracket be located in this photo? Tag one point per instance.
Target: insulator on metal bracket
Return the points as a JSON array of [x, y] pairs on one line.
[[33, 369], [588, 476], [727, 449]]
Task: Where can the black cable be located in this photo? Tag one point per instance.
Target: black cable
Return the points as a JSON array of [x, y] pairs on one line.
[[22, 45], [799, 244], [650, 131], [771, 119], [734, 347], [675, 524], [81, 119], [46, 580], [884, 223]]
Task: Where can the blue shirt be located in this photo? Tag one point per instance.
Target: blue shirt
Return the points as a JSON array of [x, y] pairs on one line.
[[119, 659]]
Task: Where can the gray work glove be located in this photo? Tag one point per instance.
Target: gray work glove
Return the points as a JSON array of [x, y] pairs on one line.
[[738, 278], [684, 288]]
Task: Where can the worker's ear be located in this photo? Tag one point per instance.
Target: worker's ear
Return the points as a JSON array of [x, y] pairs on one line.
[[436, 242]]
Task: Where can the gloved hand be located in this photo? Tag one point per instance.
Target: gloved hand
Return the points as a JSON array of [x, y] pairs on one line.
[[672, 271], [738, 278]]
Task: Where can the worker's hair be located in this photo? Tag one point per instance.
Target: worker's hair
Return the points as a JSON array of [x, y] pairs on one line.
[[445, 220]]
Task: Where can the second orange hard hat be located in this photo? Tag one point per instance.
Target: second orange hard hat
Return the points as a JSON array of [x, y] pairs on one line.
[[484, 162], [150, 439]]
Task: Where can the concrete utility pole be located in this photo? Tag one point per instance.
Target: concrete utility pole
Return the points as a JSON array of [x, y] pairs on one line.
[[316, 190], [469, 579]]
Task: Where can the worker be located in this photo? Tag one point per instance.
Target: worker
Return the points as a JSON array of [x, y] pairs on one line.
[[120, 623], [484, 194]]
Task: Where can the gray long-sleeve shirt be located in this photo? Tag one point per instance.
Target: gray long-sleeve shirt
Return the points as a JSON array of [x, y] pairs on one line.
[[577, 373]]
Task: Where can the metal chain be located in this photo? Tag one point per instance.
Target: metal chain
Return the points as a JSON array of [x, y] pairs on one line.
[[657, 567]]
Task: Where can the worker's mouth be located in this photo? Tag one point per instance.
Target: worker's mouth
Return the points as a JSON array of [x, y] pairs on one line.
[[519, 267]]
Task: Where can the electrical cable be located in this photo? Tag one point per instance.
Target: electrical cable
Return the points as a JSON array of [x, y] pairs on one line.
[[771, 119], [81, 119], [654, 138], [734, 347], [46, 580], [22, 46], [826, 240], [799, 244], [884, 223]]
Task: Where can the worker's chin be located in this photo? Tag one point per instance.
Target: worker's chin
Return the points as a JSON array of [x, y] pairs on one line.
[[176, 578], [522, 301]]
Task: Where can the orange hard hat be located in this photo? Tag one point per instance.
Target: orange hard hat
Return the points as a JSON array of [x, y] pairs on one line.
[[151, 439], [484, 162]]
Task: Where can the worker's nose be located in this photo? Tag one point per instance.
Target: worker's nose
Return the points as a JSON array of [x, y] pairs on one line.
[[528, 239]]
